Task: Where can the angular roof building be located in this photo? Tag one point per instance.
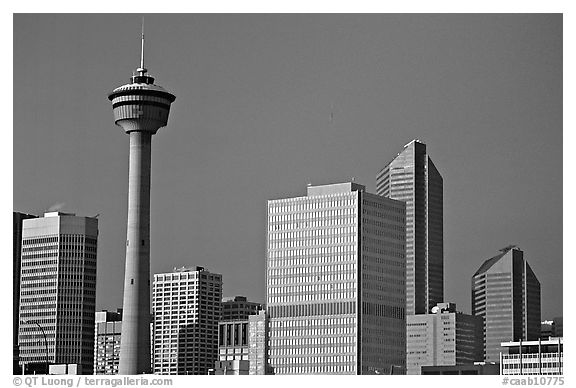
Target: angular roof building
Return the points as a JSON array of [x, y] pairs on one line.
[[411, 177], [506, 294]]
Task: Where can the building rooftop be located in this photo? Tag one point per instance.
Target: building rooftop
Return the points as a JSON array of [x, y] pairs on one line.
[[493, 260], [58, 214], [335, 188], [549, 341]]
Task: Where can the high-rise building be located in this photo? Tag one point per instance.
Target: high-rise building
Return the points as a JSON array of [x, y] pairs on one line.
[[187, 304], [140, 108], [413, 178], [58, 290], [336, 282], [17, 219], [258, 343], [444, 337], [506, 294], [107, 332], [541, 357], [238, 307]]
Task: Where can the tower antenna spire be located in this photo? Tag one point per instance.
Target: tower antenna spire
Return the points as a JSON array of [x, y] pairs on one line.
[[142, 69], [142, 49]]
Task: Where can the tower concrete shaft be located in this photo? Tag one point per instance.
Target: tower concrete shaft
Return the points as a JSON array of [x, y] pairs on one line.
[[140, 108], [135, 343]]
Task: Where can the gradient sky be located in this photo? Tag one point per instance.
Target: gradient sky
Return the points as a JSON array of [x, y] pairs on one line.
[[252, 122]]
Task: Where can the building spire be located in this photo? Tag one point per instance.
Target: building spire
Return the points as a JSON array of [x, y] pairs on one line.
[[142, 49], [141, 76], [142, 70]]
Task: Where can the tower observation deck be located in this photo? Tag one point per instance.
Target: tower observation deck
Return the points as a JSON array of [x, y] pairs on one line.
[[140, 108]]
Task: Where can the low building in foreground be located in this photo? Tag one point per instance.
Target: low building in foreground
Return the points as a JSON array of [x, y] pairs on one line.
[[444, 337], [231, 367], [242, 346], [478, 368], [541, 357]]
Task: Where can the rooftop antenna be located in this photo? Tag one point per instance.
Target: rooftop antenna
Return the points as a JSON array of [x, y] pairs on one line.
[[142, 69]]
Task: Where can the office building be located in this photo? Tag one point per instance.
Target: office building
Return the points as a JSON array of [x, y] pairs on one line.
[[558, 327], [506, 294], [58, 290], [140, 108], [107, 333], [231, 367], [257, 343], [232, 348], [336, 282], [17, 219], [233, 340], [551, 328], [444, 337], [242, 346], [413, 178], [479, 368], [187, 304], [238, 307], [540, 357]]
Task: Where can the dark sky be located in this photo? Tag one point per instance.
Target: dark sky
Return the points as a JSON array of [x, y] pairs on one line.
[[252, 122]]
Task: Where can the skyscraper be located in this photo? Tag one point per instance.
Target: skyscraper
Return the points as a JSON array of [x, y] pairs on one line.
[[412, 177], [58, 290], [17, 220], [140, 108], [444, 337], [335, 290], [506, 294], [187, 308], [107, 333]]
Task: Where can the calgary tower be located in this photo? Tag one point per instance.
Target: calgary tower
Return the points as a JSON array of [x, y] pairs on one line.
[[140, 108]]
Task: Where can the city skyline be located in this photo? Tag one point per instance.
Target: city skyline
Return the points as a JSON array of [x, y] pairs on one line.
[[275, 102]]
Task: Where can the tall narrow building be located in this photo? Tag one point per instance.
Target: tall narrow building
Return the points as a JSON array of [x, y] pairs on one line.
[[140, 108], [335, 290], [187, 304], [107, 333], [506, 294], [58, 291], [258, 343], [411, 177], [17, 220]]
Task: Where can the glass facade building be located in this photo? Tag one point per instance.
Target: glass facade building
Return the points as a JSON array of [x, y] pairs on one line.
[[336, 282], [506, 294], [411, 177], [187, 307], [58, 290]]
